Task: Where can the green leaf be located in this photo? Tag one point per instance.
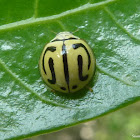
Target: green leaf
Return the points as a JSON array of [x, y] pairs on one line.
[[111, 27]]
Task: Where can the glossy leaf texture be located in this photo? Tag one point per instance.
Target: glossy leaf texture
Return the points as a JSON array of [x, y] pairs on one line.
[[111, 28]]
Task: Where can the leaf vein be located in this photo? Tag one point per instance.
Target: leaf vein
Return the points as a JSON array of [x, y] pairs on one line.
[[112, 76], [35, 9], [27, 87], [62, 25], [112, 16], [34, 20]]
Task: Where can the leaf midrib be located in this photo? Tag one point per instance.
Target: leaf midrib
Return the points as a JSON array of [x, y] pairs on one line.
[[34, 20]]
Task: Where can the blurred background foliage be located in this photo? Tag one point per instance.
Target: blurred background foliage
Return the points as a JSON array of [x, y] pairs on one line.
[[123, 124]]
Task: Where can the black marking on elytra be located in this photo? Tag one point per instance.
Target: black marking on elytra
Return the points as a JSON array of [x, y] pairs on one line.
[[64, 39], [65, 63], [63, 88], [80, 68], [51, 65], [52, 49], [77, 45], [74, 87]]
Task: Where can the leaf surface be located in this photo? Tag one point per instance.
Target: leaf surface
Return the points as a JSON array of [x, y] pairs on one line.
[[111, 28]]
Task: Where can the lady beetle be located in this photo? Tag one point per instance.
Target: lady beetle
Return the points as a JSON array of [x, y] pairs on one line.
[[67, 63]]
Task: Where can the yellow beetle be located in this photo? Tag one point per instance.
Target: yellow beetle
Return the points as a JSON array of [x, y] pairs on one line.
[[67, 63]]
